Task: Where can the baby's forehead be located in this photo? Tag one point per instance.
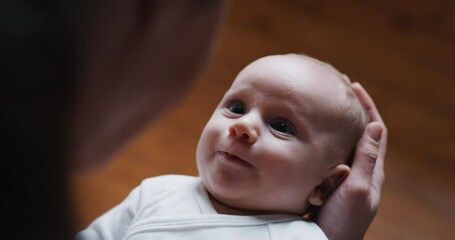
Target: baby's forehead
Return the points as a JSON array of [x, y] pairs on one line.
[[295, 63], [295, 69], [302, 79], [306, 62]]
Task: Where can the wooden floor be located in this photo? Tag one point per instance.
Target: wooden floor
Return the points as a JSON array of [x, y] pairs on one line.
[[401, 51]]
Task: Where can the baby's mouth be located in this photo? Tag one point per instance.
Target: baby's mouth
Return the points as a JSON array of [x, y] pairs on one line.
[[234, 158]]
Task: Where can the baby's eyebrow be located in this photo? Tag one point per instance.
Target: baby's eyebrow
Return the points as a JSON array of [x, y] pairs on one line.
[[237, 91], [298, 116]]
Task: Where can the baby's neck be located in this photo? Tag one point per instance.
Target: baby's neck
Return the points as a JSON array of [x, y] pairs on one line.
[[222, 208]]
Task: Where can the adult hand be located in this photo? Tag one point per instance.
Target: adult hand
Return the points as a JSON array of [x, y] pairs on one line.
[[349, 211]]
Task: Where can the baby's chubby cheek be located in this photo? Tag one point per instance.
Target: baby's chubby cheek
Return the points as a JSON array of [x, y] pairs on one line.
[[207, 145]]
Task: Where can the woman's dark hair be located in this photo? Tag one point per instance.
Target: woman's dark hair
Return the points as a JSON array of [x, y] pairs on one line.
[[38, 69]]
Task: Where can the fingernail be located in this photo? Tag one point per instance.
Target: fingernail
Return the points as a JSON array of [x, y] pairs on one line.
[[375, 131], [357, 84]]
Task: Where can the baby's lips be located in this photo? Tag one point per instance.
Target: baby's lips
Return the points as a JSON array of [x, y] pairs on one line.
[[236, 158]]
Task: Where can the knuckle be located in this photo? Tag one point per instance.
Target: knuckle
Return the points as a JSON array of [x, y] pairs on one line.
[[371, 151], [360, 190], [370, 154]]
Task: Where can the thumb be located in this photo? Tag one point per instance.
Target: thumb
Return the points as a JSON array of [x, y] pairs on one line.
[[367, 152]]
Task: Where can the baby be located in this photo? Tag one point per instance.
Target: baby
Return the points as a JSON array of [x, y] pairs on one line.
[[277, 144]]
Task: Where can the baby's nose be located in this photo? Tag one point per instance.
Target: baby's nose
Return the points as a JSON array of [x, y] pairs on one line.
[[244, 131]]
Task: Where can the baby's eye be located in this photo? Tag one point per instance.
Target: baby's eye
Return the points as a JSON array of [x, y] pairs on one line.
[[283, 126], [236, 107]]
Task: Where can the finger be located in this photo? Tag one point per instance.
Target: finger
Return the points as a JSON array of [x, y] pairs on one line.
[[366, 155], [367, 103], [378, 174]]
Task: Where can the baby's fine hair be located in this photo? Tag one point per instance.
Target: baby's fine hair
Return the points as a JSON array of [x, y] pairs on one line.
[[352, 119]]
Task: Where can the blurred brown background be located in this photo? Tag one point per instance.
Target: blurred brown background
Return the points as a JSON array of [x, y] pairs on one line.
[[401, 51]]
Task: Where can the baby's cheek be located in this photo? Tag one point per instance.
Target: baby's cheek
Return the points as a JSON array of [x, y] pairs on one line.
[[282, 150], [211, 136]]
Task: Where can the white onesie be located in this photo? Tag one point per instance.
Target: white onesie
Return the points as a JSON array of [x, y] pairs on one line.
[[178, 207]]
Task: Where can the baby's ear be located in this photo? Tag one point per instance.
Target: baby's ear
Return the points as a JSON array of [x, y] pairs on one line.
[[328, 185]]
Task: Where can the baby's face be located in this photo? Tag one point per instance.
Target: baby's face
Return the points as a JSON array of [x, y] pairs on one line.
[[270, 142]]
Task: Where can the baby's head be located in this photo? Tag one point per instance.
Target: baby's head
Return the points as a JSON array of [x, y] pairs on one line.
[[280, 138]]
